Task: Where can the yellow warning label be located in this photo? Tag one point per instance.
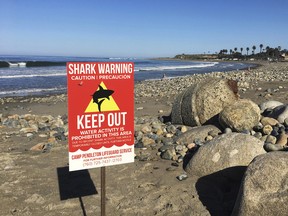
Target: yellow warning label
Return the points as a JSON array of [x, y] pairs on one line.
[[102, 100]]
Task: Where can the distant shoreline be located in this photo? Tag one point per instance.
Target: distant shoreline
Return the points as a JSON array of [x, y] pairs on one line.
[[255, 63]]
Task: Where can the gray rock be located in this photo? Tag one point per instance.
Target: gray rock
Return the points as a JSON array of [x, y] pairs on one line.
[[264, 186], [242, 115], [164, 148], [269, 105], [171, 129], [168, 154], [273, 147], [197, 133], [224, 152], [258, 135], [285, 122], [280, 113]]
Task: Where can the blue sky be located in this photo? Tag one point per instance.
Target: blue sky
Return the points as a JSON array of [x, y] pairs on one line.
[[146, 28]]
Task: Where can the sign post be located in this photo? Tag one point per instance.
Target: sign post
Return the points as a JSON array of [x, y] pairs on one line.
[[103, 191], [101, 115]]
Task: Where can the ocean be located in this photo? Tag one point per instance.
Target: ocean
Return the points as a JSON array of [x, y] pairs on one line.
[[45, 75]]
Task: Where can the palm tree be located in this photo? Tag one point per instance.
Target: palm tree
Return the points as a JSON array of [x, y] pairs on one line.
[[261, 46], [247, 49], [241, 49], [254, 48], [279, 48], [235, 49]]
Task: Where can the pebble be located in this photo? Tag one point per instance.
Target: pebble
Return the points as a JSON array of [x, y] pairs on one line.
[[175, 164], [38, 147], [191, 145], [167, 155], [269, 121], [282, 139], [271, 139], [30, 135], [267, 129], [147, 141], [184, 128], [208, 138], [272, 147], [180, 159], [146, 129], [182, 177], [258, 135], [227, 130], [171, 169]]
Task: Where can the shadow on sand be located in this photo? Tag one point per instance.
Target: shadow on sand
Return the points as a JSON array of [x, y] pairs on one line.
[[75, 184], [218, 191]]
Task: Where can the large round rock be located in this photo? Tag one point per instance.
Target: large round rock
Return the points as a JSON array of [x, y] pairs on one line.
[[202, 102], [224, 153], [242, 115], [264, 186]]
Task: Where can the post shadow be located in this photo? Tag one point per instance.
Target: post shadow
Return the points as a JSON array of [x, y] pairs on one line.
[[75, 184]]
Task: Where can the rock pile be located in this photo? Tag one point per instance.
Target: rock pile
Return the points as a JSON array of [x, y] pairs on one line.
[[46, 126], [219, 156]]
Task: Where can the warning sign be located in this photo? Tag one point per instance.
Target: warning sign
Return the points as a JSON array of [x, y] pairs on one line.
[[100, 114]]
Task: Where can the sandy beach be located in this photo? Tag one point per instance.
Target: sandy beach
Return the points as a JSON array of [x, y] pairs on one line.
[[37, 182]]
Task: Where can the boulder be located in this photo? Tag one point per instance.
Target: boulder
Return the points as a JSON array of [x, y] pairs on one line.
[[197, 133], [224, 153], [242, 115], [264, 186], [201, 103]]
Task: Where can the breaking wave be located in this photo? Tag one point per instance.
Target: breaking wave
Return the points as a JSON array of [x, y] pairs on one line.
[[176, 67], [30, 76]]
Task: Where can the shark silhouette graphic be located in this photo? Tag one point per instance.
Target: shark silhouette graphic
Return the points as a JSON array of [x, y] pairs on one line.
[[101, 94]]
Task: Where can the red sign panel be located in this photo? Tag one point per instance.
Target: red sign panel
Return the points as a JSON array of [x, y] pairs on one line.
[[100, 114]]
